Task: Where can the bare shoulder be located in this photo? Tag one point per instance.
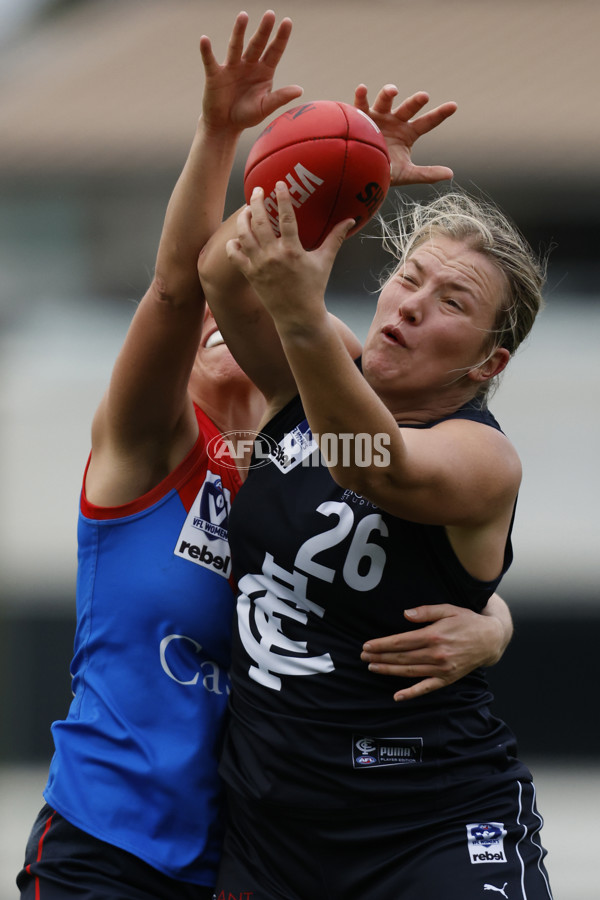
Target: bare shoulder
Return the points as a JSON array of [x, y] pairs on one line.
[[486, 463], [462, 441], [121, 471], [457, 472], [482, 444]]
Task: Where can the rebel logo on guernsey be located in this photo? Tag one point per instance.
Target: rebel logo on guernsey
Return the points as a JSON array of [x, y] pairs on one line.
[[203, 539], [486, 842]]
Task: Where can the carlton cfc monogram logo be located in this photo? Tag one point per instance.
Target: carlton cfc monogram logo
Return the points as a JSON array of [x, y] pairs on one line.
[[265, 602]]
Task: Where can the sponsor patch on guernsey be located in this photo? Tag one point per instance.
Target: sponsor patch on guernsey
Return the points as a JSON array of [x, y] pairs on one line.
[[295, 447], [486, 842], [370, 752], [203, 539]]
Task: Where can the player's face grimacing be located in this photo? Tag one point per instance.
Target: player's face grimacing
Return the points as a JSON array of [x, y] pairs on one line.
[[433, 321]]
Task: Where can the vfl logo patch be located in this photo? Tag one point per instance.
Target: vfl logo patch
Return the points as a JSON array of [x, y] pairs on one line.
[[486, 842], [370, 752], [297, 445], [203, 539]]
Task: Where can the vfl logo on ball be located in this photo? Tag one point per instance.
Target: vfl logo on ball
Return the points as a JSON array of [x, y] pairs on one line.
[[203, 539], [486, 842]]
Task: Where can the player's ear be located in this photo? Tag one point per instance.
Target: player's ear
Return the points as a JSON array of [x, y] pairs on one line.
[[492, 365]]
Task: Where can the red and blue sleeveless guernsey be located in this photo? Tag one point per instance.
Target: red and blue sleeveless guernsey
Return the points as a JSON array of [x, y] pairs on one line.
[[135, 760]]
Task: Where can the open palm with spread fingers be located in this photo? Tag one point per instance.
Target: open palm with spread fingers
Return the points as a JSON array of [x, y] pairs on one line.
[[401, 130], [238, 94]]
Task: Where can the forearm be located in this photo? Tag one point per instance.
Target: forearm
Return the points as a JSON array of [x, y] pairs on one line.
[[497, 610], [342, 408], [237, 95], [148, 399], [245, 324], [195, 209], [291, 284]]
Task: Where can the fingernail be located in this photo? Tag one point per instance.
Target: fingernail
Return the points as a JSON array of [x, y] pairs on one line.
[[373, 667], [411, 613], [367, 648]]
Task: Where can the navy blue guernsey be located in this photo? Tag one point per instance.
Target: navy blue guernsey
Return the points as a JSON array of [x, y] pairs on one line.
[[320, 570]]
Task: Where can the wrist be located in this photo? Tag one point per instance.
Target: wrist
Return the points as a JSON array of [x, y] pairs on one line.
[[499, 640], [218, 133], [299, 324]]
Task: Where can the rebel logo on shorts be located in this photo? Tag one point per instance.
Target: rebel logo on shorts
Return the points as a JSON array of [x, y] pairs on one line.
[[486, 842], [369, 752]]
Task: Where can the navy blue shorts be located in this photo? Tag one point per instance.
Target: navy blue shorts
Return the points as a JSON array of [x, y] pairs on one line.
[[63, 862], [487, 850]]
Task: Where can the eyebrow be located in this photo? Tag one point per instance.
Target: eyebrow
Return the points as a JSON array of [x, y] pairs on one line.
[[453, 285]]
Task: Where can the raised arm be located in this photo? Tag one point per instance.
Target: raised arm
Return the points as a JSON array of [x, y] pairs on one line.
[[440, 475], [248, 328], [145, 423]]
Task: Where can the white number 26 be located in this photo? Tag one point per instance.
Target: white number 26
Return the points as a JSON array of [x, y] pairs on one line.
[[364, 562]]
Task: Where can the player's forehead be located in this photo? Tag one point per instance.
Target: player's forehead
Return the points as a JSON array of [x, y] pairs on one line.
[[454, 261]]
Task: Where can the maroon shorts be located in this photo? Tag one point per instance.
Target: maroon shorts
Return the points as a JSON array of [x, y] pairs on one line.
[[64, 863]]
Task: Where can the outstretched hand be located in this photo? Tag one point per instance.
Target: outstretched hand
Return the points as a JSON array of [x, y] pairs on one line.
[[455, 642], [401, 131], [238, 94]]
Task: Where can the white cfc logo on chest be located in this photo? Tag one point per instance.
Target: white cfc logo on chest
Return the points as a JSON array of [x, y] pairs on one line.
[[269, 598]]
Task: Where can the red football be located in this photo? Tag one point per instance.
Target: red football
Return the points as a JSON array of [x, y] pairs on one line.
[[334, 160]]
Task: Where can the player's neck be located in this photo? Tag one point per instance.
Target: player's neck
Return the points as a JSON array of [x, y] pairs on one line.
[[233, 410]]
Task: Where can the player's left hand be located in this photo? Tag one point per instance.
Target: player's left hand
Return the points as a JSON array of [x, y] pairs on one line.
[[401, 131], [239, 93], [455, 642]]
